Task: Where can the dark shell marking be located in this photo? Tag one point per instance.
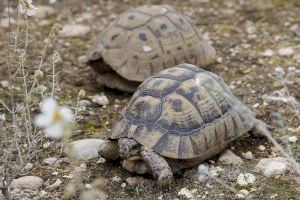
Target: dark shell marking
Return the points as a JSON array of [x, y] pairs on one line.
[[183, 113], [148, 31]]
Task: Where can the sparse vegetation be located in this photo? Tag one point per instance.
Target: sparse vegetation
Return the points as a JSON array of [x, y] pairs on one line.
[[258, 57]]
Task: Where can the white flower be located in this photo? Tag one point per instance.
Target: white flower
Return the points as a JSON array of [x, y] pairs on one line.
[[56, 120], [25, 7]]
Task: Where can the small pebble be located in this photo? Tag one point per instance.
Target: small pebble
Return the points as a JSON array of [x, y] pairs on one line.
[[117, 179], [286, 51], [185, 193], [228, 157], [101, 160], [261, 147], [248, 155], [101, 100], [4, 84], [123, 185]]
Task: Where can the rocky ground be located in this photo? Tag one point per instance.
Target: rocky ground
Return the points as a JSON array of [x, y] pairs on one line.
[[255, 42]]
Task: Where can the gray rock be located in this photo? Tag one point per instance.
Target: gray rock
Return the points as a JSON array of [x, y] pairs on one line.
[[28, 166], [27, 182], [270, 167], [132, 181], [74, 30], [228, 157], [82, 60], [248, 155], [85, 149], [44, 11], [245, 179], [261, 147], [51, 161], [286, 51], [84, 103], [101, 100], [53, 186], [296, 29], [4, 22], [4, 84], [117, 179]]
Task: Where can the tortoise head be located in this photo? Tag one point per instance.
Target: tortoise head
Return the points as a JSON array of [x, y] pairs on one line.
[[129, 149]]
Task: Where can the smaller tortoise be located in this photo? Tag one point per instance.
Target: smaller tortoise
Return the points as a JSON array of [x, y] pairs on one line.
[[143, 41], [175, 120]]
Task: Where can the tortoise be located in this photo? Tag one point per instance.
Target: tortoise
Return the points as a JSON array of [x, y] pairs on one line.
[[143, 41], [175, 120]]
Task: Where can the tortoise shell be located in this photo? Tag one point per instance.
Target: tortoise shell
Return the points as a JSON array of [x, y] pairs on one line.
[[184, 112], [145, 40]]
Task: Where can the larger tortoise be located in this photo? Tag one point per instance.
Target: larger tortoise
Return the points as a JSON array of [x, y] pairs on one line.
[[143, 41], [177, 119]]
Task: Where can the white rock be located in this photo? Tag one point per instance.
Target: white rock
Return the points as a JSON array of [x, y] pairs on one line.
[[54, 186], [82, 60], [279, 70], [267, 53], [184, 192], [52, 1], [204, 173], [101, 160], [100, 100], [84, 103], [43, 194], [4, 22], [123, 185], [293, 139], [27, 182], [244, 191], [271, 167], [44, 11], [4, 84], [261, 147], [117, 179], [46, 145], [245, 179], [228, 157], [248, 155], [295, 29], [215, 171], [82, 168], [2, 117], [85, 149], [240, 196], [51, 161], [28, 166], [74, 30], [286, 51], [88, 186]]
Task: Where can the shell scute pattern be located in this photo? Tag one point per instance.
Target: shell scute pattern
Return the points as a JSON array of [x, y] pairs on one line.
[[181, 117], [147, 39]]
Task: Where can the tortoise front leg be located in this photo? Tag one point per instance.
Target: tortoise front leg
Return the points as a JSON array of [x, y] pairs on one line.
[[159, 166], [109, 150]]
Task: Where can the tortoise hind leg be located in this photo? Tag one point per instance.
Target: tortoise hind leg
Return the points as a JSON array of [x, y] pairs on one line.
[[159, 166]]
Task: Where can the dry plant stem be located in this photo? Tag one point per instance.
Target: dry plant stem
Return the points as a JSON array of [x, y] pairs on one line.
[[53, 77], [265, 131], [35, 81]]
